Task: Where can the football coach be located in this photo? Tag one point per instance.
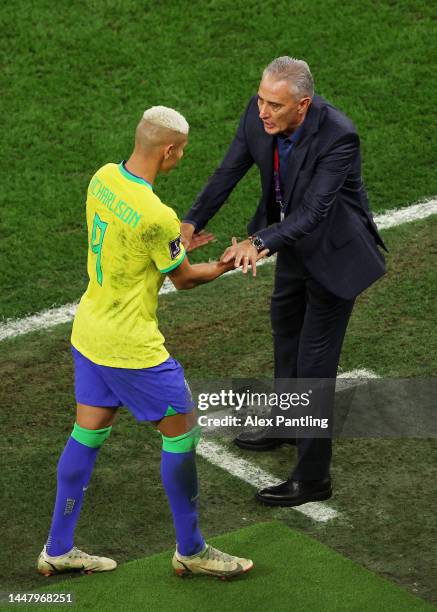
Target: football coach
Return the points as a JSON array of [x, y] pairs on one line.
[[314, 213]]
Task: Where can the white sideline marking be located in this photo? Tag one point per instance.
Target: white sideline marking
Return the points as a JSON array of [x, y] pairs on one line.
[[397, 216], [63, 314], [257, 477], [353, 378], [359, 373], [41, 320]]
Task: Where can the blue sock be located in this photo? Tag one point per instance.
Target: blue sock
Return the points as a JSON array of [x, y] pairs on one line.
[[75, 467], [179, 477]]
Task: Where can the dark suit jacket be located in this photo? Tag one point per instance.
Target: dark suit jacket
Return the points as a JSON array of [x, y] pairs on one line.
[[327, 218]]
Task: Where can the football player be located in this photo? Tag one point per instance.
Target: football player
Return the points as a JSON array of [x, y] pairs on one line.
[[119, 354]]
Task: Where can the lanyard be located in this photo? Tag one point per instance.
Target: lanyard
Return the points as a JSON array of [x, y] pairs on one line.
[[277, 179]]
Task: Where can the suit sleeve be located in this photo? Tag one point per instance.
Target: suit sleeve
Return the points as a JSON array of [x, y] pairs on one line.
[[329, 176], [234, 166]]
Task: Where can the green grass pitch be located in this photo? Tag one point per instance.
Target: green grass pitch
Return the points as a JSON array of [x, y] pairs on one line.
[[291, 572]]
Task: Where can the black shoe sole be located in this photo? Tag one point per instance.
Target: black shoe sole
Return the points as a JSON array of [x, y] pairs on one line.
[[321, 496], [262, 447]]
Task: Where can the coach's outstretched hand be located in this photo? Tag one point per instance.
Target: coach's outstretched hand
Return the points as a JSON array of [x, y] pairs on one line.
[[243, 253], [193, 240], [199, 240]]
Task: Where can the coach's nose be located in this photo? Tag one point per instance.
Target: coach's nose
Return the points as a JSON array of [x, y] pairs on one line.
[[263, 111]]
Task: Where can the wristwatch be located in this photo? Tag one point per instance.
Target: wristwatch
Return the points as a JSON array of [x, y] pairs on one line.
[[257, 242]]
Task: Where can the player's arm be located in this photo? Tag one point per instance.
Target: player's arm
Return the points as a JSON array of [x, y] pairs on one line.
[[187, 276]]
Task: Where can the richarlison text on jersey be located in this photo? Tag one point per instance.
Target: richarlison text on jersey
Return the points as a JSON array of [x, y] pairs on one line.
[[117, 206]]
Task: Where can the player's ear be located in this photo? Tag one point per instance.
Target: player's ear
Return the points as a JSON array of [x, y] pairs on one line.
[[168, 151]]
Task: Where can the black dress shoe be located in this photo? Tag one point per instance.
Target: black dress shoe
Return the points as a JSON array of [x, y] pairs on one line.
[[259, 441], [295, 492]]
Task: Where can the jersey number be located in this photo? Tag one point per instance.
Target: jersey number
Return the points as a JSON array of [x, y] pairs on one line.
[[99, 228]]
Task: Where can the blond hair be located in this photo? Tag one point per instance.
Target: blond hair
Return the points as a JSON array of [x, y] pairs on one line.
[[165, 117], [159, 126]]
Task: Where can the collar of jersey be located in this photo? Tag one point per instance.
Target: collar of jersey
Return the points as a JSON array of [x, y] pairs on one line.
[[132, 177]]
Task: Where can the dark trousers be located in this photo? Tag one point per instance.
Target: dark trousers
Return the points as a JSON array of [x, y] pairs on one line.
[[309, 324]]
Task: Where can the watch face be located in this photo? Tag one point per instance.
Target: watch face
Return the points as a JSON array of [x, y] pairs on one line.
[[257, 243]]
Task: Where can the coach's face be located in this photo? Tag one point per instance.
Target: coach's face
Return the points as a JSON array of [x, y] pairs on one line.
[[279, 109]]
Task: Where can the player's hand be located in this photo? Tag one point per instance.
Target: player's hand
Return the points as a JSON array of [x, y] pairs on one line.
[[243, 254], [224, 267]]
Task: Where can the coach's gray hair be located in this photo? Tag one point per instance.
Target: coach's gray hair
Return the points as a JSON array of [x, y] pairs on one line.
[[296, 71]]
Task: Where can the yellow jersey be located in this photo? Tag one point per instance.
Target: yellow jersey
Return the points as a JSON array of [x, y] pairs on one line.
[[134, 240]]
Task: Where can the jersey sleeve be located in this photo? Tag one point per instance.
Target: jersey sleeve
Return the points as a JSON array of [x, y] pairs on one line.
[[167, 250]]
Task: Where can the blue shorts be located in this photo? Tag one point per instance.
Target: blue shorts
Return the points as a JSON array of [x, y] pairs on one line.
[[147, 392]]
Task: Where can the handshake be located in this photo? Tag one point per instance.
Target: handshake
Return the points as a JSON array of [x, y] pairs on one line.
[[239, 254]]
